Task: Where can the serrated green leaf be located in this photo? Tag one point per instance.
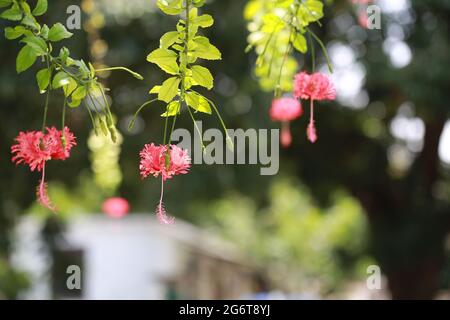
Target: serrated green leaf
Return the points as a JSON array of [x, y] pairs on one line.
[[173, 108], [31, 22], [165, 59], [14, 13], [37, 44], [169, 39], [202, 77], [198, 102], [205, 50], [14, 33], [169, 89], [43, 79], [25, 59], [41, 8], [58, 32]]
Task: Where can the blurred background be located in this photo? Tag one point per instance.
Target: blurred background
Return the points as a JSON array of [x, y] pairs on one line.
[[374, 190]]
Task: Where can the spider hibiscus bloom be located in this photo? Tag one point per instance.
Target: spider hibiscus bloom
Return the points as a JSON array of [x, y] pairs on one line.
[[62, 142], [35, 148], [285, 110], [164, 161], [316, 86]]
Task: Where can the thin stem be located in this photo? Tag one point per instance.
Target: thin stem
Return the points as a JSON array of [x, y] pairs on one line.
[[196, 127], [218, 115], [173, 127], [313, 53], [44, 120], [322, 46], [286, 53], [91, 116], [63, 120], [134, 74], [311, 106], [131, 124], [166, 125]]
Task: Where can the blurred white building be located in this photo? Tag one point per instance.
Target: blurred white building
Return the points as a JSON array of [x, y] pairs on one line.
[[133, 258]]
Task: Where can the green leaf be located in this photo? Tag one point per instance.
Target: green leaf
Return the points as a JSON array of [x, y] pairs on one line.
[[202, 77], [14, 13], [299, 43], [64, 55], [203, 21], [37, 44], [155, 90], [31, 22], [80, 93], [73, 103], [169, 89], [169, 39], [60, 79], [58, 32], [165, 59], [41, 8], [173, 108], [171, 7], [44, 31], [25, 59], [5, 3], [206, 50], [14, 33], [198, 102], [70, 87], [43, 79]]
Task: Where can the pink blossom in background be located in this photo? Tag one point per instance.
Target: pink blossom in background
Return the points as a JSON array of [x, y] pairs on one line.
[[363, 19], [316, 86], [164, 161], [285, 110], [116, 207], [361, 1]]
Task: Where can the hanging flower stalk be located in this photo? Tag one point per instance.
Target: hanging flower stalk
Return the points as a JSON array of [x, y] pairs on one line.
[[177, 55], [285, 110], [315, 87], [280, 30], [35, 148], [76, 79]]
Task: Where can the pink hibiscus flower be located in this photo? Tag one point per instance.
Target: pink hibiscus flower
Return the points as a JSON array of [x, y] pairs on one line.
[[316, 86], [285, 110], [35, 148], [162, 161]]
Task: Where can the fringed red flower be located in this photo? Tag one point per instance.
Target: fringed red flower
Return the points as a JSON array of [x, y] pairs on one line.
[[165, 161], [35, 148], [316, 86]]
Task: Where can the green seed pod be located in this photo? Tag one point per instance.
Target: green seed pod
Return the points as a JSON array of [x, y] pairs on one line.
[[102, 122]]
